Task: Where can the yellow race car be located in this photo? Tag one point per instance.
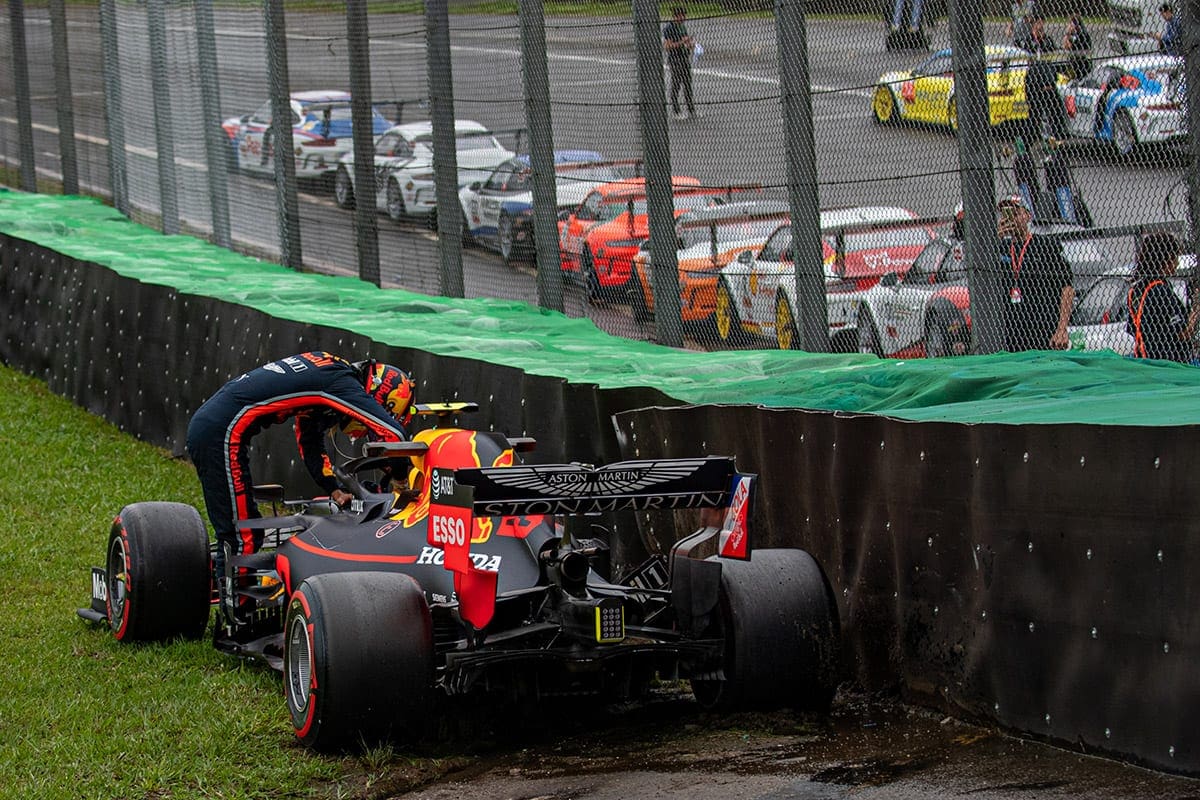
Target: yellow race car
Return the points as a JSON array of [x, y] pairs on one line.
[[926, 93]]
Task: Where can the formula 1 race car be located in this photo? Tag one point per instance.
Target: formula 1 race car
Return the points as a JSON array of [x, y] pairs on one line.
[[466, 582]]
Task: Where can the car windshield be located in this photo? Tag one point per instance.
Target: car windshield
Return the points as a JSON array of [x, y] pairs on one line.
[[1102, 302], [477, 141]]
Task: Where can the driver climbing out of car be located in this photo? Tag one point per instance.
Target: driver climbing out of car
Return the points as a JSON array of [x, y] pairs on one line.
[[319, 391]]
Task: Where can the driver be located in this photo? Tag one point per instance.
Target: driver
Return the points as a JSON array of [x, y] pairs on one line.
[[320, 391]]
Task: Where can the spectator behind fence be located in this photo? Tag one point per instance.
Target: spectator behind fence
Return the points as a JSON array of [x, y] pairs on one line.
[[914, 15], [1041, 85], [1077, 41], [1038, 279], [1168, 40], [679, 46], [1158, 320]]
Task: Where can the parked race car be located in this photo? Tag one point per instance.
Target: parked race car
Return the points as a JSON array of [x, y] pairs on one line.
[[927, 312], [464, 584], [404, 178], [598, 240], [757, 294], [498, 211], [321, 134], [708, 239], [1128, 102], [925, 93]]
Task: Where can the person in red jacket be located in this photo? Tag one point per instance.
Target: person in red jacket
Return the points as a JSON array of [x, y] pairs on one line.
[[317, 390]]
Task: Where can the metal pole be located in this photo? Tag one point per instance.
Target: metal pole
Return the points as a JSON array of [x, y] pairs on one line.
[[20, 56], [164, 136], [66, 101], [800, 150], [217, 150], [114, 112], [280, 135], [366, 221], [445, 155], [660, 199], [1190, 25], [536, 77], [976, 178]]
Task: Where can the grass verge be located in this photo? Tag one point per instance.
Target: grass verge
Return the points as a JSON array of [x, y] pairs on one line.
[[84, 717]]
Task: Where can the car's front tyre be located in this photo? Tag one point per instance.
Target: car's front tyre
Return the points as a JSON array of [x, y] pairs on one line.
[[157, 574], [868, 335], [1124, 135], [395, 201], [883, 106], [358, 660], [725, 316]]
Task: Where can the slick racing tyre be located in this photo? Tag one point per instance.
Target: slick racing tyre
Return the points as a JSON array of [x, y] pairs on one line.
[[787, 335], [777, 617], [883, 106], [358, 660], [868, 336], [395, 201], [156, 574]]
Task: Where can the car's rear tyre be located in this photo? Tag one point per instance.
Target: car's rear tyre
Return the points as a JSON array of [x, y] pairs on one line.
[[395, 201], [157, 573], [786, 334], [642, 315], [778, 619], [883, 106], [726, 320], [1124, 135], [591, 281], [945, 334], [952, 115], [343, 189], [358, 660], [868, 336]]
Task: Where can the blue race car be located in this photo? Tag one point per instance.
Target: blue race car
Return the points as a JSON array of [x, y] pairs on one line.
[[1128, 101]]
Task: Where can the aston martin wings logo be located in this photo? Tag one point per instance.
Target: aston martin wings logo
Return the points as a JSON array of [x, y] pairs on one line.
[[578, 481], [583, 489]]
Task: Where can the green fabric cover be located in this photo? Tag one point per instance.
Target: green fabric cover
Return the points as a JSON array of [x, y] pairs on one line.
[[1095, 388]]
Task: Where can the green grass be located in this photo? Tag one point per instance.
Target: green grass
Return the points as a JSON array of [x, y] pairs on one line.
[[82, 716]]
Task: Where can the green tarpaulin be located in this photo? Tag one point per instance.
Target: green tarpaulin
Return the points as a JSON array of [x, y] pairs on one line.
[[1096, 388]]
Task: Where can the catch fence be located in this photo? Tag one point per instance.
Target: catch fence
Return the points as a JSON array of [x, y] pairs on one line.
[[807, 201]]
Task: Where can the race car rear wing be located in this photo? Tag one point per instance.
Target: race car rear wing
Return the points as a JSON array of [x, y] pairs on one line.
[[458, 495]]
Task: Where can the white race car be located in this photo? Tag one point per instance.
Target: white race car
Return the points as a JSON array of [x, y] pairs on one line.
[[860, 244], [498, 211], [321, 134], [1128, 101], [404, 179], [927, 312]]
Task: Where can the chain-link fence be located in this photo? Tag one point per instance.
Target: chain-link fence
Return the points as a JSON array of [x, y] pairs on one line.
[[723, 177]]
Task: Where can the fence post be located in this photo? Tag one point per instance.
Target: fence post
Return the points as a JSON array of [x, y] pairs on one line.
[[65, 99], [217, 151], [536, 78], [1190, 24], [279, 136], [800, 150], [164, 134], [114, 112], [975, 176], [20, 58], [366, 220], [445, 154], [660, 199]]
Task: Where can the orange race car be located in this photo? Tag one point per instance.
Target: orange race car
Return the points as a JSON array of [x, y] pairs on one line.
[[599, 239], [707, 239]]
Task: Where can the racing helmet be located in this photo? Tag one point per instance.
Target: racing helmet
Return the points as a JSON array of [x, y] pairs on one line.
[[390, 386], [393, 389]]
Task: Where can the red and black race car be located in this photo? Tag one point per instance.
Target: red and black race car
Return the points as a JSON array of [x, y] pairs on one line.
[[466, 582]]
